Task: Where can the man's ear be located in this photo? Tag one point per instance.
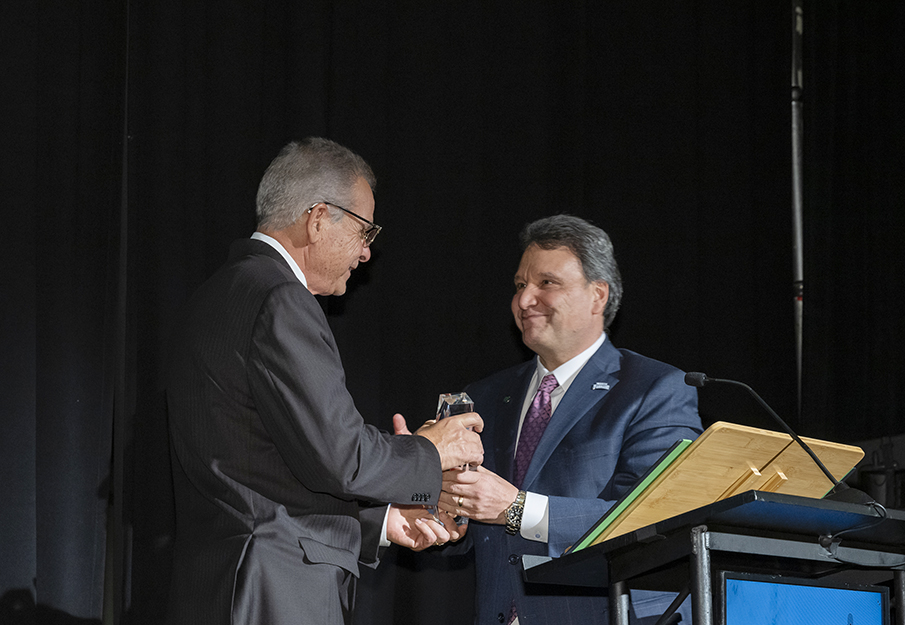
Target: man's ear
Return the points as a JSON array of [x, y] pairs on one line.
[[317, 222], [601, 296]]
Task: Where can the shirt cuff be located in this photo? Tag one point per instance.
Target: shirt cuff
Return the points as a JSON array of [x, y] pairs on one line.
[[384, 541], [536, 517]]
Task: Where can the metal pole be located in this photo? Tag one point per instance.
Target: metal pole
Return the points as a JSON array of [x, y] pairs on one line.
[[797, 191], [900, 597], [619, 603], [701, 590]]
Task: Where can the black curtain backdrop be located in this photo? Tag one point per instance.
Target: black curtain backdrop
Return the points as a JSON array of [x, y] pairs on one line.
[[137, 133], [63, 81], [855, 136]]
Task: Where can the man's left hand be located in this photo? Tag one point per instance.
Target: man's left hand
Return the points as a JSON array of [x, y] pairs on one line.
[[415, 528], [481, 495]]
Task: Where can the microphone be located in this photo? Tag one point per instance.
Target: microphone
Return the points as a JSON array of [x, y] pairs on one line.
[[840, 491]]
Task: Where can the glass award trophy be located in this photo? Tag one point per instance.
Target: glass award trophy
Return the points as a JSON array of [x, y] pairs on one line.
[[448, 405]]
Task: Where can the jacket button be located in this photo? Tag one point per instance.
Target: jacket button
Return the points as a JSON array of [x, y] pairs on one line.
[[514, 559], [500, 617]]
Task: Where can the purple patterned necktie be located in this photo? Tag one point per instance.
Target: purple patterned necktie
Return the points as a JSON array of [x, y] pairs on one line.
[[536, 421]]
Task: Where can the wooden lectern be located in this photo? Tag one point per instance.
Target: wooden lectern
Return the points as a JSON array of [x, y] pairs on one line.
[[695, 514], [752, 531]]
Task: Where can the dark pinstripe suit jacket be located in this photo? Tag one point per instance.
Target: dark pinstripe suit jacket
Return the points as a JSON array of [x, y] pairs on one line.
[[273, 466]]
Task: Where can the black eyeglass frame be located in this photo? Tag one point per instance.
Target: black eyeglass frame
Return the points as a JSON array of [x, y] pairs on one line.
[[368, 234]]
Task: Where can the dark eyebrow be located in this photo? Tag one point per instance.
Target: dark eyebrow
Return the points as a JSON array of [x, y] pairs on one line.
[[544, 275]]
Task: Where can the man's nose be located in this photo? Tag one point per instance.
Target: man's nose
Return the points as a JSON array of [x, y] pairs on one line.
[[526, 297], [365, 254]]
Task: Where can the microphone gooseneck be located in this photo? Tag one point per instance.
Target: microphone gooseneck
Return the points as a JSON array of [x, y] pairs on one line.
[[840, 491]]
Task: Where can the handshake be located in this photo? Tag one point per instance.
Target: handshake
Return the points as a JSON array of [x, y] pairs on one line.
[[458, 443]]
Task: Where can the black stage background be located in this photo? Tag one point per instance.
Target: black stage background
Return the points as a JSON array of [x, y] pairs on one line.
[[666, 123]]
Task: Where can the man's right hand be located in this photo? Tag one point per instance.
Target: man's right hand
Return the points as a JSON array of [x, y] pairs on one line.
[[456, 438]]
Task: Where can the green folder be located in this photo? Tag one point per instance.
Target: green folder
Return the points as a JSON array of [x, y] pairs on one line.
[[613, 513]]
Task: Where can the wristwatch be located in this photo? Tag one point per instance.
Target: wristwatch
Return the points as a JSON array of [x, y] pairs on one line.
[[514, 514]]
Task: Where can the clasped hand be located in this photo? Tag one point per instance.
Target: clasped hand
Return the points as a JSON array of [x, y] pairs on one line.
[[481, 495], [456, 438], [416, 528], [458, 443]]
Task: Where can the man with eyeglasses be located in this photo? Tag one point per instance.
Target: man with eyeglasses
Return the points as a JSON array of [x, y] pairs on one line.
[[280, 485]]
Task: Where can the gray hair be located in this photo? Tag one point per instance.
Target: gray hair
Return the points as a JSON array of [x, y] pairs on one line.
[[304, 173], [591, 246]]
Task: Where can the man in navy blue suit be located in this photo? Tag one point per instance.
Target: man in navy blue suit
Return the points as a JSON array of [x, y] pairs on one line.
[[565, 434]]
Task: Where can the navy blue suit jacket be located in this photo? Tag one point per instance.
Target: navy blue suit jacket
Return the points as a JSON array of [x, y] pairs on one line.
[[619, 415]]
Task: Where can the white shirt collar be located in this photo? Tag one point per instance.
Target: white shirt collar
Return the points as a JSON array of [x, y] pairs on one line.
[[565, 374], [567, 371], [260, 236]]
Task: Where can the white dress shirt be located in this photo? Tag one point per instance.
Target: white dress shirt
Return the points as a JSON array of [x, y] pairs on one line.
[[536, 517]]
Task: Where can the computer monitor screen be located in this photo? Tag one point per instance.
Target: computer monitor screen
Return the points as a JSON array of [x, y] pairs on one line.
[[750, 599]]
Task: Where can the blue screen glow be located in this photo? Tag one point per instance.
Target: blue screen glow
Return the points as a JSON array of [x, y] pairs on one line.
[[750, 602]]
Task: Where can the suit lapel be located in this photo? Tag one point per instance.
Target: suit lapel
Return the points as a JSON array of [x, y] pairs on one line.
[[590, 386], [505, 426]]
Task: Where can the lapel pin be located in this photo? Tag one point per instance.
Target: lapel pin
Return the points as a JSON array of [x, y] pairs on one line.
[[506, 399], [600, 386]]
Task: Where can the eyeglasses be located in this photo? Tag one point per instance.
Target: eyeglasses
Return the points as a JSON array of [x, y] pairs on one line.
[[367, 233]]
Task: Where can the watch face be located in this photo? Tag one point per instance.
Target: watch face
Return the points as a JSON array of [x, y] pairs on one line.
[[514, 518], [514, 513]]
